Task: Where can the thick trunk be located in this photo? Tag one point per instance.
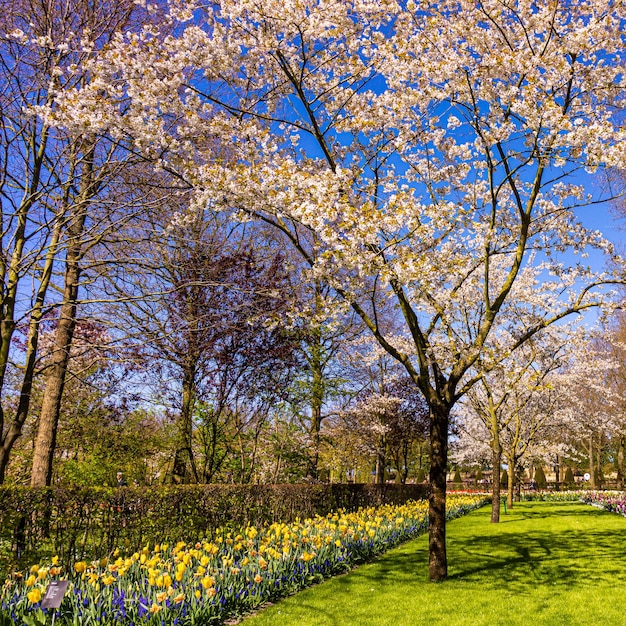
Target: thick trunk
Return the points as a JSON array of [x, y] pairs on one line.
[[437, 557], [496, 455], [45, 442]]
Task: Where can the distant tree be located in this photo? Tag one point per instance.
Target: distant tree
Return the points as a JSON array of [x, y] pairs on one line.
[[205, 314]]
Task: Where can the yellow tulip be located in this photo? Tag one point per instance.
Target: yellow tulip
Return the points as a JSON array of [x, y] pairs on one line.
[[34, 596], [208, 582]]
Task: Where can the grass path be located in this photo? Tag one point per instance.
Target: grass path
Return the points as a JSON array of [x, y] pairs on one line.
[[545, 563]]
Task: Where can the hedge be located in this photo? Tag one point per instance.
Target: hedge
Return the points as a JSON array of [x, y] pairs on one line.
[[80, 523]]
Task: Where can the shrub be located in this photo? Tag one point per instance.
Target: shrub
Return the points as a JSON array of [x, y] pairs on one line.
[[77, 523], [569, 477], [504, 479], [540, 478], [227, 574]]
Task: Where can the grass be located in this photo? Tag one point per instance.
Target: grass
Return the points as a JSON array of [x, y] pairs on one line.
[[544, 564]]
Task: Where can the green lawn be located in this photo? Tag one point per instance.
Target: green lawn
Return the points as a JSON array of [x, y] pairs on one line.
[[545, 563]]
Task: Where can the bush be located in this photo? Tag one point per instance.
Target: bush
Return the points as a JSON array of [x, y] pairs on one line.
[[569, 477], [540, 478], [78, 523], [504, 480], [457, 477]]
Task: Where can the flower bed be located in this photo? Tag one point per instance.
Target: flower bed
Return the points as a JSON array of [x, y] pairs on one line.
[[613, 501], [227, 574], [553, 496]]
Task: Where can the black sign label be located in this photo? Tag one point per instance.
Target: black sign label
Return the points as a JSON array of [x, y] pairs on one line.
[[54, 594]]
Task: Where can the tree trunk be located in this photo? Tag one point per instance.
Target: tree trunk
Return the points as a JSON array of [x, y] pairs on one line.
[[381, 462], [184, 467], [620, 462], [510, 486], [437, 557], [45, 442], [15, 429], [599, 471], [496, 455], [592, 463], [317, 399], [557, 473]]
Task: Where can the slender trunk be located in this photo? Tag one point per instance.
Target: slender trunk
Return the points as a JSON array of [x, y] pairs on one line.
[[437, 557], [557, 473], [10, 276], [599, 471], [496, 455], [405, 463], [184, 467], [45, 442], [592, 463], [620, 462], [15, 429], [317, 400], [381, 463]]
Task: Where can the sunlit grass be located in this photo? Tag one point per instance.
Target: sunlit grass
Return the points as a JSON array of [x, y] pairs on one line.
[[545, 563]]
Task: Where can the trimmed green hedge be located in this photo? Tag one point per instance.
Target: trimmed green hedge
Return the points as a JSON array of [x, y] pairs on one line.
[[78, 523]]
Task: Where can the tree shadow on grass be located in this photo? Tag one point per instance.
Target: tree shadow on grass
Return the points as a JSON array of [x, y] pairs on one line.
[[555, 558], [568, 544], [589, 550]]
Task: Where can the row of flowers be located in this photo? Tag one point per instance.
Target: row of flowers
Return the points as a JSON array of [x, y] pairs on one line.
[[224, 575], [554, 496], [613, 501]]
